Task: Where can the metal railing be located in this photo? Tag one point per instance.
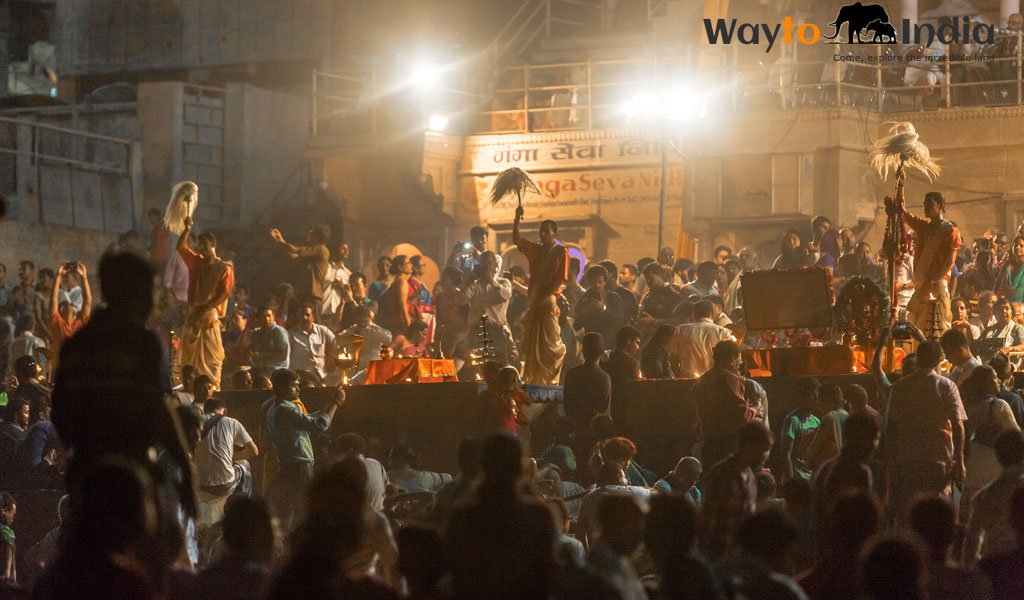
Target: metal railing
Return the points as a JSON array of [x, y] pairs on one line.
[[584, 95], [49, 160], [879, 77]]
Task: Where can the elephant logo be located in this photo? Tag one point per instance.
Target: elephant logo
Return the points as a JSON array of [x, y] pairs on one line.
[[858, 17], [882, 30]]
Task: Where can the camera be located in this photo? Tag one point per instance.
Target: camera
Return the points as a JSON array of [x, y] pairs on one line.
[[901, 331], [71, 266]]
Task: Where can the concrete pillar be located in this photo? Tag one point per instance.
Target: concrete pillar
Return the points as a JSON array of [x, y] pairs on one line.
[[1007, 8], [908, 10], [5, 28]]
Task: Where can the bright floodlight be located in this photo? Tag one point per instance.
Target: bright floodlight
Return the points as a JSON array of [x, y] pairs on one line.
[[426, 75], [437, 123], [640, 104], [683, 104]]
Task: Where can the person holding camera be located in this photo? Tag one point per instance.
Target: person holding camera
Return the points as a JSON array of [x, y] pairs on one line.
[[65, 320], [466, 255]]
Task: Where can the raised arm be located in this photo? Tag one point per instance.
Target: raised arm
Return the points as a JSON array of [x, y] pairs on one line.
[[183, 238], [86, 293], [55, 293], [515, 225], [277, 237]]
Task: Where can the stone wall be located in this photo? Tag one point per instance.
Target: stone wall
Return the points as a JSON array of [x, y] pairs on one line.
[[49, 245]]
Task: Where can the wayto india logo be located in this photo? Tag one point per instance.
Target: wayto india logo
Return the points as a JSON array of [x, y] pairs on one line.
[[858, 17], [864, 25]]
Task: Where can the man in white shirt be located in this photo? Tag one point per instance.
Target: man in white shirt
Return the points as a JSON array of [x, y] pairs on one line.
[[222, 456], [310, 344], [336, 278], [353, 444], [691, 345], [373, 334], [489, 295], [707, 273]]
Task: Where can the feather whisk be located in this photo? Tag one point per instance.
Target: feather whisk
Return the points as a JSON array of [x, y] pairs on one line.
[[512, 181], [903, 148], [183, 202]]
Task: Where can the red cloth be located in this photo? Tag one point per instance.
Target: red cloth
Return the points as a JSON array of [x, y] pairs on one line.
[[410, 370], [199, 291]]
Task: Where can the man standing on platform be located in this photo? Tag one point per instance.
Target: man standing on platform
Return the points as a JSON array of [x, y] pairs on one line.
[[209, 284], [317, 258], [549, 271], [935, 247], [488, 295], [310, 343]]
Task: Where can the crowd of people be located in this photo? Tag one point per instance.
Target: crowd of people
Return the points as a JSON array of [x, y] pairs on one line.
[[911, 486]]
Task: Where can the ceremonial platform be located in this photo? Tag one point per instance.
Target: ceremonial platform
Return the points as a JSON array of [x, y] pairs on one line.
[[433, 417]]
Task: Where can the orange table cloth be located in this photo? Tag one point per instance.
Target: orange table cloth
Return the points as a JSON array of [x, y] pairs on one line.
[[411, 370]]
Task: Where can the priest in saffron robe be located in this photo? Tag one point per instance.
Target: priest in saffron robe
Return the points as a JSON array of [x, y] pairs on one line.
[[210, 281], [543, 349], [935, 247]]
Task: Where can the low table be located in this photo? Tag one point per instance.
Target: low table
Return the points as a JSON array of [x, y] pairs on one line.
[[411, 370]]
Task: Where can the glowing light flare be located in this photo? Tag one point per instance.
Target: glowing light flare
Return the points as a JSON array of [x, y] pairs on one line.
[[679, 104], [426, 75], [437, 123]]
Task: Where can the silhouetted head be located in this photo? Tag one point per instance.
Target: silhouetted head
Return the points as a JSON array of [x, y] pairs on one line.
[[248, 530], [128, 283], [502, 461]]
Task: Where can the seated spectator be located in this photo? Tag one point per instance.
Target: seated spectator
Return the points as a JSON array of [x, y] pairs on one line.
[[223, 453], [569, 551], [682, 480], [560, 452], [334, 529], [670, 536], [766, 541], [461, 490], [504, 403], [622, 451], [421, 560], [37, 461], [241, 380], [892, 569], [8, 563], [501, 546], [353, 444], [619, 523], [934, 522], [183, 395], [116, 518], [404, 475], [40, 555], [249, 548], [31, 389], [610, 481], [202, 389]]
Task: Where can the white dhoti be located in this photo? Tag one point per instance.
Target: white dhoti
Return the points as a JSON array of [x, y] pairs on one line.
[[920, 309], [543, 348], [201, 346]]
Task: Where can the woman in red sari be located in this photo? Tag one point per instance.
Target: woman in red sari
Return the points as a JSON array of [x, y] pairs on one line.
[[543, 348], [398, 305]]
